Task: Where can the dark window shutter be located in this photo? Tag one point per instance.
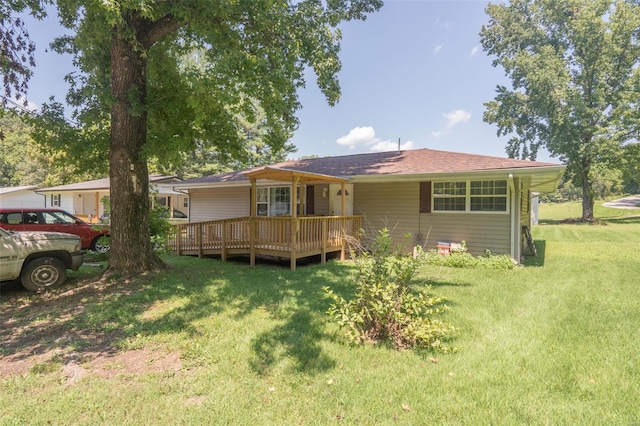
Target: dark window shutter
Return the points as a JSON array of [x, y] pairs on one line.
[[310, 199], [425, 197]]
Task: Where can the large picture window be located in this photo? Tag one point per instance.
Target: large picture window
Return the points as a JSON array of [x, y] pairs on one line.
[[470, 196], [274, 201]]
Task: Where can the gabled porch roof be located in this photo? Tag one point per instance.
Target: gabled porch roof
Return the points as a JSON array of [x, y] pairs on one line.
[[295, 177], [289, 175]]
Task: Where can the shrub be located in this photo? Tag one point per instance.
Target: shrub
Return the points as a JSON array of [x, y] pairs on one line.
[[383, 309], [159, 227], [463, 259]]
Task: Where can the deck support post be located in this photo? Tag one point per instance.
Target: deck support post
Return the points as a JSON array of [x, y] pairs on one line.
[[252, 222], [324, 236], [252, 241], [223, 248], [294, 221]]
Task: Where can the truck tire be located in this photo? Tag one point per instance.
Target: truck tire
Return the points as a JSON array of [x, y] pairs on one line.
[[43, 273]]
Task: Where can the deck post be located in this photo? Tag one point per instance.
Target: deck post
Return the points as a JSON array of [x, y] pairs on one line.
[[294, 221], [343, 237], [294, 234], [324, 237], [253, 211], [199, 239], [252, 240], [178, 238], [342, 199], [223, 253]]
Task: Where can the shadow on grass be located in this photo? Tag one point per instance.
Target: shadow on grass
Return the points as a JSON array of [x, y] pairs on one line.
[[538, 260], [628, 220], [601, 221], [105, 317]]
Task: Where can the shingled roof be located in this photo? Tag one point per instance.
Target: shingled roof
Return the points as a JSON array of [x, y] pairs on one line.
[[393, 163]]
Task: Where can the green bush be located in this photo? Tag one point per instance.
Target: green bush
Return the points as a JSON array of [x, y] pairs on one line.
[[463, 259], [383, 309], [159, 227]]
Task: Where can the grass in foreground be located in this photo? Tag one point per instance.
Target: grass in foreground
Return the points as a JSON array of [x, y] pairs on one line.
[[555, 342]]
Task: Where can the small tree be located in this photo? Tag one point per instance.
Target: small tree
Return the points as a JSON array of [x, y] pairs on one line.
[[383, 308]]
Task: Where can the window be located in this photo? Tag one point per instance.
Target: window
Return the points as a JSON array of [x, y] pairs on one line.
[[57, 218], [185, 203], [274, 201], [449, 196], [470, 196], [489, 196], [55, 200]]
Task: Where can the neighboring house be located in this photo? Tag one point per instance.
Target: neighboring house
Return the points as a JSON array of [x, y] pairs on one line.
[[21, 196], [90, 199], [430, 196]]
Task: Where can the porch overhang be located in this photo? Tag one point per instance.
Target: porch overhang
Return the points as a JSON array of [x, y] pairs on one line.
[[288, 175]]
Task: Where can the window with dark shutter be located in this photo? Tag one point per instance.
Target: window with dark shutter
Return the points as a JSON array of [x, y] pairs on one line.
[[425, 197]]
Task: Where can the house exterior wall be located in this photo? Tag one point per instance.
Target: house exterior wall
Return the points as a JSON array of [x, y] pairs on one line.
[[396, 207], [321, 200], [27, 198], [219, 203]]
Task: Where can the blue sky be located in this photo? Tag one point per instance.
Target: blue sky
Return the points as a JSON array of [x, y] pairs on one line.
[[413, 71]]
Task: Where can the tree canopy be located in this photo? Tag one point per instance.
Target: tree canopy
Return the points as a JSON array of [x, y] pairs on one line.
[[575, 72], [160, 79], [16, 48]]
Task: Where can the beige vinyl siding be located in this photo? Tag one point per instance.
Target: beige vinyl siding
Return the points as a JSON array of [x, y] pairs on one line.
[[397, 207], [394, 206], [219, 203], [321, 203]]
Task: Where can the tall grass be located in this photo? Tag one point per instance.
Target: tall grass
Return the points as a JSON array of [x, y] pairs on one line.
[[551, 343]]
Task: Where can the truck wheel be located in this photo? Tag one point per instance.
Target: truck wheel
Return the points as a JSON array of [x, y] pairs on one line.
[[43, 273], [101, 244]]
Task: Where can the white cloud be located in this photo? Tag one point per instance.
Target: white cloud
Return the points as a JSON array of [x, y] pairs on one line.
[[474, 51], [456, 117], [358, 136], [366, 136], [437, 49], [389, 145], [19, 104], [442, 24], [453, 119]]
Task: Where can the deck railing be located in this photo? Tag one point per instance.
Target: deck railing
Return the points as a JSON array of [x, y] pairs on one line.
[[286, 237]]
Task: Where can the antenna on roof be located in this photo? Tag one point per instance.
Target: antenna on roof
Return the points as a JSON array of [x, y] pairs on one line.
[[398, 144]]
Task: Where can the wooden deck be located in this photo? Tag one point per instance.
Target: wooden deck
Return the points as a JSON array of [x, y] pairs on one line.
[[284, 237]]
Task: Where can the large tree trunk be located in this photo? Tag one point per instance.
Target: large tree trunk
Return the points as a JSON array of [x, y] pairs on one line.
[[131, 251], [587, 193]]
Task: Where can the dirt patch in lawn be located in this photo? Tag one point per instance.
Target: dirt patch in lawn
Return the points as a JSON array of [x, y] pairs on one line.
[[39, 333]]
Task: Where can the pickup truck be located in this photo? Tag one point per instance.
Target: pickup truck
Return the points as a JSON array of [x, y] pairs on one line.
[[39, 259]]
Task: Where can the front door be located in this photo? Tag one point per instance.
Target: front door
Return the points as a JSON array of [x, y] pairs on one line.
[[335, 202]]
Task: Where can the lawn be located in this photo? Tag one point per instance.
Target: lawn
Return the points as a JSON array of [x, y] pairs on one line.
[[555, 342]]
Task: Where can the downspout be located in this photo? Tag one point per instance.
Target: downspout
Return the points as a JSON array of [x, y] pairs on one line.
[[514, 219], [45, 197]]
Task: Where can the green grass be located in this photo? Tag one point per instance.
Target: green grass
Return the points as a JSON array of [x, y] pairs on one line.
[[555, 342], [560, 212]]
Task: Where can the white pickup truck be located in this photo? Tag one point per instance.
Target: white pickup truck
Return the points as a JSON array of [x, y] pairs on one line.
[[39, 259]]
